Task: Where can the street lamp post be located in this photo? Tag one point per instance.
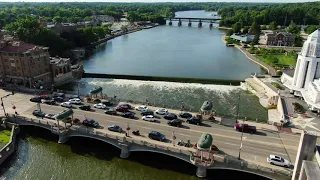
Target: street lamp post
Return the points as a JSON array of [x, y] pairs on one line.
[[242, 124], [173, 138]]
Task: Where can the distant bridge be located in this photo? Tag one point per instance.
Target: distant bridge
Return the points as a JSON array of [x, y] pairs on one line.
[[190, 20], [136, 143]]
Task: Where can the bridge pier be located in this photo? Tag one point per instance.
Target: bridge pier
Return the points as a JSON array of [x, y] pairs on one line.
[[201, 171], [124, 151], [189, 24], [200, 23], [170, 23], [179, 23], [211, 25], [63, 139]]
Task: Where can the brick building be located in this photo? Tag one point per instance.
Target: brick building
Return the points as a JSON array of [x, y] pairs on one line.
[[280, 39], [24, 64]]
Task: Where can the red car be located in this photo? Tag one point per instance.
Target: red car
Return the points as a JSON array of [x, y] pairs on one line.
[[122, 109], [245, 128]]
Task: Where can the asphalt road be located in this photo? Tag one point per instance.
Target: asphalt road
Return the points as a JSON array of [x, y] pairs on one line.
[[256, 147]]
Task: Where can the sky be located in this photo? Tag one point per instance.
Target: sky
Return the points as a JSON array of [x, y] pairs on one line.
[[265, 1]]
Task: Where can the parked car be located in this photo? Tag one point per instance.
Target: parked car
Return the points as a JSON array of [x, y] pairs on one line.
[[245, 127], [66, 104], [36, 99], [122, 109], [110, 111], [75, 101], [115, 128], [155, 135], [141, 108], [50, 116], [194, 120], [90, 123], [128, 115], [175, 122], [99, 106], [170, 116], [50, 101], [161, 111], [62, 95], [85, 107], [185, 115], [128, 106], [150, 118], [58, 99], [107, 103], [148, 112], [38, 113], [46, 97], [277, 160]]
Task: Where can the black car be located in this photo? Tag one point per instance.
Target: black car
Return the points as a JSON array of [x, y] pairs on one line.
[[36, 99], [185, 115], [175, 122], [146, 113], [156, 136], [170, 116], [50, 102], [38, 113], [85, 107], [58, 99], [110, 111], [62, 95], [128, 115], [107, 103], [194, 120], [90, 123]]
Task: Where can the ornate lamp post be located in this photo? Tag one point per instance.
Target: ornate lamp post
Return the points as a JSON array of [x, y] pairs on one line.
[[173, 138], [128, 129]]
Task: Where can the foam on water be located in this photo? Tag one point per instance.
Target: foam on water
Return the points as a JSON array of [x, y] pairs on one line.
[[161, 85]]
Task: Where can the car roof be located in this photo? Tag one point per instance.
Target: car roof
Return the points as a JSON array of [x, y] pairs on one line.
[[276, 157]]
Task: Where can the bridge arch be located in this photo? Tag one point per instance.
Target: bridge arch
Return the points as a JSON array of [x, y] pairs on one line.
[[37, 125], [161, 152], [116, 144]]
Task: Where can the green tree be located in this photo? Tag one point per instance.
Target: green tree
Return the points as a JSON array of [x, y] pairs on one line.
[[245, 30], [229, 32], [264, 27], [255, 28], [273, 25], [311, 28], [236, 27], [293, 28], [57, 19]]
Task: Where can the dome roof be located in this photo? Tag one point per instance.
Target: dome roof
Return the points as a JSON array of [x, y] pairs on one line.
[[206, 106], [205, 142]]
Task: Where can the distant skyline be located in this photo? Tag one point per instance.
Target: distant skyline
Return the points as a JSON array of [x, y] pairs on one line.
[[153, 1]]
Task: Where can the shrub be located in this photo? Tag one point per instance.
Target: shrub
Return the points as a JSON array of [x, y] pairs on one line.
[[276, 85], [297, 107], [257, 51], [272, 50], [97, 101], [272, 107], [229, 32], [279, 73]]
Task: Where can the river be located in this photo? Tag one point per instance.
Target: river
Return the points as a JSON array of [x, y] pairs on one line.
[[173, 51]]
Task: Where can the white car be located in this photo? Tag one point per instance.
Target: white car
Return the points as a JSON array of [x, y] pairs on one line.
[[150, 118], [142, 108], [162, 111], [100, 106], [277, 160], [66, 104], [75, 101]]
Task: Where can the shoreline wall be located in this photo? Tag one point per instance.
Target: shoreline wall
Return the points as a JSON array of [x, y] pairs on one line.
[[9, 148], [160, 78]]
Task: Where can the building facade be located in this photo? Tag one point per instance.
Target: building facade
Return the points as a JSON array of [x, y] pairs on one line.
[[280, 39], [24, 64], [305, 82], [63, 72]]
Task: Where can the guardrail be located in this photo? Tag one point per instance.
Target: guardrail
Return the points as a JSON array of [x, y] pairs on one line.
[[8, 149]]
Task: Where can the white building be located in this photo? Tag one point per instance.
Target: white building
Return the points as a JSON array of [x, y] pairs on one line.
[[305, 81]]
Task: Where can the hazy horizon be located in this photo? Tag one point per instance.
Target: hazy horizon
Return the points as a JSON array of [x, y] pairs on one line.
[[154, 1]]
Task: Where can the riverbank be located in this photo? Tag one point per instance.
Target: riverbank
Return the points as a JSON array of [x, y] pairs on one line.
[[267, 67], [224, 28]]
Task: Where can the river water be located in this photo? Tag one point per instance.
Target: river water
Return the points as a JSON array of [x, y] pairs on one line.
[[173, 51]]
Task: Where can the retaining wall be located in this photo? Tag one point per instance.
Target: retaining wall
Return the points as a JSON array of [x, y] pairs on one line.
[[7, 150]]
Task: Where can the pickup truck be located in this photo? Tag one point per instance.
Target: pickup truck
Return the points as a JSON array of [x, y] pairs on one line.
[[245, 128]]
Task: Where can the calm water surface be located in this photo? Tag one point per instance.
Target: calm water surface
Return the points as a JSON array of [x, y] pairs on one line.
[[172, 51]]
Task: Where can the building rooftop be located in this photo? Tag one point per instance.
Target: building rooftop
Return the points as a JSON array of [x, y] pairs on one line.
[[315, 36], [312, 170], [56, 60], [19, 46]]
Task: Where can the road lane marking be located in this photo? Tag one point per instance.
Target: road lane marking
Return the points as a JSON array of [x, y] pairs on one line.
[[175, 128]]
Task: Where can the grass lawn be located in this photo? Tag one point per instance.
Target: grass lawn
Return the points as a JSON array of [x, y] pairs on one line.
[[279, 60], [5, 136]]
